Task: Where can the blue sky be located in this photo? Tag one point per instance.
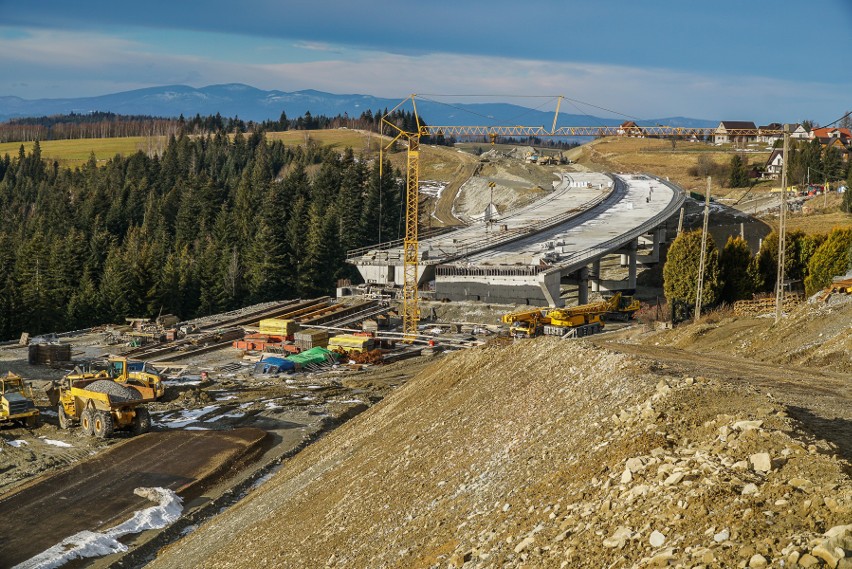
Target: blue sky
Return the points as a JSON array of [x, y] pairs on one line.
[[761, 60]]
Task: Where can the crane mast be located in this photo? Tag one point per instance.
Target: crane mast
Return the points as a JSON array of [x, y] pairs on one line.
[[410, 297]]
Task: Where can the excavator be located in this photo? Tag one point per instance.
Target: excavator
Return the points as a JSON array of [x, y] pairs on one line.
[[576, 321]]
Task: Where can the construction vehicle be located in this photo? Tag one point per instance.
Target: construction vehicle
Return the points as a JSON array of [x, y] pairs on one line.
[[575, 321], [16, 401], [622, 306], [588, 318], [526, 323], [101, 406], [130, 372]]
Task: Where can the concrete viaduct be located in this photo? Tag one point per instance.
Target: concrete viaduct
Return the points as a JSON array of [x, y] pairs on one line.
[[526, 256]]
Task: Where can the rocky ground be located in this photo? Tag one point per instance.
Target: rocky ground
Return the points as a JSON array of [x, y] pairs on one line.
[[553, 453]]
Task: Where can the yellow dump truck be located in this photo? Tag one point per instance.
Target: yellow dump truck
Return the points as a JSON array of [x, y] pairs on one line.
[[101, 406], [351, 343], [16, 401], [126, 371]]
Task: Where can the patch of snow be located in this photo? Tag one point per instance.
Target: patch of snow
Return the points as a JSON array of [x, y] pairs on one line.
[[18, 443], [183, 418], [235, 415], [56, 443], [189, 529], [86, 544]]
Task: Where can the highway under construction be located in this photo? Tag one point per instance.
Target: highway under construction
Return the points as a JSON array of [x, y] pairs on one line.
[[525, 256]]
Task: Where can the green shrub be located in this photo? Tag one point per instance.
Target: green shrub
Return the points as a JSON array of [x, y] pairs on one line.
[[829, 260]]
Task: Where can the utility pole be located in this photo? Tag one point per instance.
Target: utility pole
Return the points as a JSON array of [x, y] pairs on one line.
[[680, 222], [700, 287], [782, 228]]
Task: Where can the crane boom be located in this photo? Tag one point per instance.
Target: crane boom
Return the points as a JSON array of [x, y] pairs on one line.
[[410, 300]]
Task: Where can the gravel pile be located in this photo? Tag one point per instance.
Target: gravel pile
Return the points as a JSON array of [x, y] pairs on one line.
[[547, 453], [116, 391]]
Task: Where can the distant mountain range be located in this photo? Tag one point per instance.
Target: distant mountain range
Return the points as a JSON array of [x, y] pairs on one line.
[[249, 103]]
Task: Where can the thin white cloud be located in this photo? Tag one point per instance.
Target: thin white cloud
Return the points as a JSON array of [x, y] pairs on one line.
[[70, 64], [318, 46]]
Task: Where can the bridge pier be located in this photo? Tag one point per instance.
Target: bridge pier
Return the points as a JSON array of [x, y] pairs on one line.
[[659, 237], [631, 267], [550, 284], [583, 286], [595, 275]]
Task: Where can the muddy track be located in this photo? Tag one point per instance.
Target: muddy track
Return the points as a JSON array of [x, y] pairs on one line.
[[98, 493], [444, 208]]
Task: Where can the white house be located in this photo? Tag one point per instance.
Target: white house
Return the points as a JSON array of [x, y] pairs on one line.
[[732, 132], [774, 164]]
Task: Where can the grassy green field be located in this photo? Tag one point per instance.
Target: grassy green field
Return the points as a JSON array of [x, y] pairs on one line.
[[73, 153]]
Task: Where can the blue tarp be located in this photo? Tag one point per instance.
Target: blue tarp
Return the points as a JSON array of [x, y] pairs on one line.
[[273, 365]]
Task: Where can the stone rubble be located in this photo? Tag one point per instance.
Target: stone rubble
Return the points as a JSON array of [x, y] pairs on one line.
[[549, 453]]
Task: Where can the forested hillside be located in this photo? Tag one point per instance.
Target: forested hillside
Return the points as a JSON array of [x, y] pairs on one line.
[[213, 224]]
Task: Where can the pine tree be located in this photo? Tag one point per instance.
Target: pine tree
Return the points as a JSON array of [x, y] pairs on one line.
[[680, 273], [322, 256], [735, 259], [739, 173]]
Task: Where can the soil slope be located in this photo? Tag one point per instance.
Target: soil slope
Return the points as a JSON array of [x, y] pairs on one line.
[[546, 453]]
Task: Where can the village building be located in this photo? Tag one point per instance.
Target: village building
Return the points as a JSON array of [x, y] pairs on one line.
[[732, 132]]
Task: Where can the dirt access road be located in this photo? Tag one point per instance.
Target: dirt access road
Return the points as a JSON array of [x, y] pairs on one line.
[[820, 399], [98, 493]]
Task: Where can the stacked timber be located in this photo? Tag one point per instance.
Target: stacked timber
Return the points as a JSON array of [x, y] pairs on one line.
[[278, 327], [310, 338], [765, 305], [42, 354]]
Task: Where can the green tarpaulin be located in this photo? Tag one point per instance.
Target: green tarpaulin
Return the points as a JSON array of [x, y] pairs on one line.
[[313, 356]]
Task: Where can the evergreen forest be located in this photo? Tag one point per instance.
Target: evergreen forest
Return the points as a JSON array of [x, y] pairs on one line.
[[215, 223]]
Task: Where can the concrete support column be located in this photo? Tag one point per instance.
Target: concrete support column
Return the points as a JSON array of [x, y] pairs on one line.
[[595, 275], [583, 286], [550, 287], [631, 269]]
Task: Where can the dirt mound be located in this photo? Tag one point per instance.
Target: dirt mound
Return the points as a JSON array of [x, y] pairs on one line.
[[543, 453], [814, 334]]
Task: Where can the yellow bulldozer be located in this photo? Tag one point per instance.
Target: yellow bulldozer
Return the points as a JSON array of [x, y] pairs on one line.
[[129, 372]]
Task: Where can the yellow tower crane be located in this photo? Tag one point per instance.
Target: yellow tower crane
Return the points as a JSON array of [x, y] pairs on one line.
[[410, 297]]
